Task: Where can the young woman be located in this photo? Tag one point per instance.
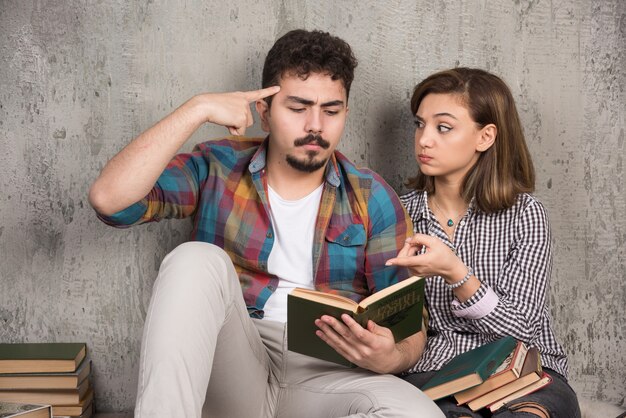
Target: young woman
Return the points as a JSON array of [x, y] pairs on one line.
[[482, 240]]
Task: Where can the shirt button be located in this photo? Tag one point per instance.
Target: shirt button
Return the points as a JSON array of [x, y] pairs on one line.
[[462, 223], [269, 235], [346, 238]]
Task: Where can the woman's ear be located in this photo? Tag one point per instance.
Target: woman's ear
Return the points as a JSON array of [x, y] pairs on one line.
[[263, 109], [487, 137]]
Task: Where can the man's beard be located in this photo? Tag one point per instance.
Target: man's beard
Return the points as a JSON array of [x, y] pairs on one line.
[[309, 165]]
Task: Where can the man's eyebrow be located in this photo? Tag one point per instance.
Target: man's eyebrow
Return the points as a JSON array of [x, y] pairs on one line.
[[300, 100], [333, 103], [307, 102]]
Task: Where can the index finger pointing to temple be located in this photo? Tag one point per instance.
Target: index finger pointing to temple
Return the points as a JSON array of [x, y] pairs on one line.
[[255, 95]]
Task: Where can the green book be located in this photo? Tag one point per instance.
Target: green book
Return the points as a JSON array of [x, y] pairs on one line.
[[469, 369], [397, 307], [68, 380], [41, 357]]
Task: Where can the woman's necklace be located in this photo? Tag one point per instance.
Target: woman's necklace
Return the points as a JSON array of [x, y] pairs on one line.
[[450, 221]]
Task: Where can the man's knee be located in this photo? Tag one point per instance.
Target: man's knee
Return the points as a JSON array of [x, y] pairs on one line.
[[197, 254], [194, 251], [196, 263]]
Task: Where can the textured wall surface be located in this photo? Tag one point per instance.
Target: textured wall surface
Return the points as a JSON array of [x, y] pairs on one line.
[[80, 79]]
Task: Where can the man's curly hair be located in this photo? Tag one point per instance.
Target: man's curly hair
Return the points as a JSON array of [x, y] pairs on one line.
[[300, 53]]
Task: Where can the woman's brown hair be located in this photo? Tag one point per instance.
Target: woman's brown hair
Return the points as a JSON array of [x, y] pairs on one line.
[[505, 169]]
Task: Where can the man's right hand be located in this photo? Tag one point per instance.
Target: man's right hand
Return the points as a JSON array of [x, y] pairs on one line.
[[232, 110], [131, 174]]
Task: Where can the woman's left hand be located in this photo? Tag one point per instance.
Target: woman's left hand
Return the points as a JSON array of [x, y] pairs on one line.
[[426, 256]]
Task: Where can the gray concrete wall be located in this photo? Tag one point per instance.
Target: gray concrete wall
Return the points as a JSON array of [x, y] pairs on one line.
[[79, 79]]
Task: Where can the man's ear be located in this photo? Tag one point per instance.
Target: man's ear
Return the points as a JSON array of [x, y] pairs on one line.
[[263, 109], [487, 137]]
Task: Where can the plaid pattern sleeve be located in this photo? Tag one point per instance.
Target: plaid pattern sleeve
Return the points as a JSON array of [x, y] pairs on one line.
[[511, 254], [174, 195]]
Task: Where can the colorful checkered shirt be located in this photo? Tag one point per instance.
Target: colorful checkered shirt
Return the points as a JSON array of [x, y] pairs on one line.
[[223, 185]]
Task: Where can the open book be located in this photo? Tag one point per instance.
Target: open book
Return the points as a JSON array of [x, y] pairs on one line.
[[397, 307], [23, 410]]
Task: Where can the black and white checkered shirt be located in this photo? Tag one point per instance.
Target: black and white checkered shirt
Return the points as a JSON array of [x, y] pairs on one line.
[[510, 252]]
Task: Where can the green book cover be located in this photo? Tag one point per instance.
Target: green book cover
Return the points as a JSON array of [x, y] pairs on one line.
[[65, 380], [397, 307], [41, 357], [469, 369]]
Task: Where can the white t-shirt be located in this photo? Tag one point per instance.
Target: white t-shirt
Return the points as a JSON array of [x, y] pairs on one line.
[[291, 259]]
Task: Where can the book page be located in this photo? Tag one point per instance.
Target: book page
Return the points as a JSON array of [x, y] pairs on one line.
[[387, 291], [325, 298]]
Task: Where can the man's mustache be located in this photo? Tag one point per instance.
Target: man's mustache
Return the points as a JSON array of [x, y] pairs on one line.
[[310, 139]]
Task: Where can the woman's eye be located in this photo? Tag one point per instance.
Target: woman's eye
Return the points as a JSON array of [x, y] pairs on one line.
[[418, 123], [444, 128]]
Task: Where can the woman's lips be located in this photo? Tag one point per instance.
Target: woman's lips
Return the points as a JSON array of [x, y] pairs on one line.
[[424, 158]]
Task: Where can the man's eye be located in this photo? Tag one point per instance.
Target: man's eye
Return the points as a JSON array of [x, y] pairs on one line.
[[332, 112], [297, 109], [444, 128]]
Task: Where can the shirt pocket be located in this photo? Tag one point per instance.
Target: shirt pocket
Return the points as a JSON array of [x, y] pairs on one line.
[[345, 247]]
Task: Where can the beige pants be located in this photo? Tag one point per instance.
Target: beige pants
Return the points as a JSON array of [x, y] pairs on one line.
[[202, 355]]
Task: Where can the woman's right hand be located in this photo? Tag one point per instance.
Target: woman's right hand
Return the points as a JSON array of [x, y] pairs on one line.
[[426, 256]]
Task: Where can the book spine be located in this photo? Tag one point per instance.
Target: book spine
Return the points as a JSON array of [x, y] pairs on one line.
[[519, 357]]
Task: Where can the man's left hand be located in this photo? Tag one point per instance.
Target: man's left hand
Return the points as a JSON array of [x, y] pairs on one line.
[[371, 348]]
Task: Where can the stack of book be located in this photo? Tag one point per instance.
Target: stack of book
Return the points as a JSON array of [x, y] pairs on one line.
[[56, 374], [489, 376]]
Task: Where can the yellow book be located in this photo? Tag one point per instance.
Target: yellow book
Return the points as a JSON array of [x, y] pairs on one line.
[[47, 396], [41, 357], [69, 380]]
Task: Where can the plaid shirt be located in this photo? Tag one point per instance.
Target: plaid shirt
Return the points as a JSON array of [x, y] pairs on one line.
[[223, 185]]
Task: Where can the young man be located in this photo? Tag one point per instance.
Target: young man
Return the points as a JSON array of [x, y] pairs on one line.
[[269, 215]]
